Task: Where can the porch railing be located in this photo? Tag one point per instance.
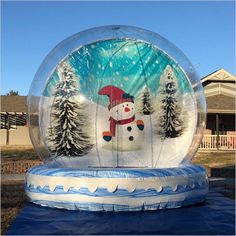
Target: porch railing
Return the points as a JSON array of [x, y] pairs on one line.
[[221, 142]]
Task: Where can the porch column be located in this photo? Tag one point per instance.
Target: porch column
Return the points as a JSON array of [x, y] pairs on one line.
[[217, 131], [8, 129]]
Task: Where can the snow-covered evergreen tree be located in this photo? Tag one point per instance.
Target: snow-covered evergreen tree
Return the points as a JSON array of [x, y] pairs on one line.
[[69, 126], [170, 122], [145, 105]]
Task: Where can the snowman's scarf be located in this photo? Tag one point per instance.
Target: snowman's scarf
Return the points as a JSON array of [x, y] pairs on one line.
[[114, 122]]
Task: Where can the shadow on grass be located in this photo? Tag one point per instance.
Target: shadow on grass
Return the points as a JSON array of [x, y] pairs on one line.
[[223, 172], [227, 174], [13, 199]]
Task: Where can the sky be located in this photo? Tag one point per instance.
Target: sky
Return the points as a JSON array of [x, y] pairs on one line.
[[204, 31]]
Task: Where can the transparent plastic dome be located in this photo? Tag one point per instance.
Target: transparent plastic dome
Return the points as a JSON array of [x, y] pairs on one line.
[[116, 96]]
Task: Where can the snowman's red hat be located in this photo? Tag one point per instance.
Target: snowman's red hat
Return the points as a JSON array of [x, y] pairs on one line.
[[116, 95]]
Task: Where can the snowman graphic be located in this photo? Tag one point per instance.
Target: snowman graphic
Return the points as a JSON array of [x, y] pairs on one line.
[[126, 133]]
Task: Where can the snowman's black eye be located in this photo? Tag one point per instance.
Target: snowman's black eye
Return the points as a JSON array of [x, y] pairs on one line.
[[127, 104], [123, 105]]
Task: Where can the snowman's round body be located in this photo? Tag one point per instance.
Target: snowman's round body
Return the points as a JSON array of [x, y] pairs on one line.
[[126, 131], [128, 138]]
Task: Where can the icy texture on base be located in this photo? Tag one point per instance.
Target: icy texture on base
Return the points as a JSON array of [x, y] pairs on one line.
[[122, 208], [116, 190]]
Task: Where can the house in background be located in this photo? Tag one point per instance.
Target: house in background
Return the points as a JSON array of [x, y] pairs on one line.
[[220, 88], [14, 130], [220, 134]]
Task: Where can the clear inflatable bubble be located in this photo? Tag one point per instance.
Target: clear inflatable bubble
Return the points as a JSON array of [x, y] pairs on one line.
[[116, 96]]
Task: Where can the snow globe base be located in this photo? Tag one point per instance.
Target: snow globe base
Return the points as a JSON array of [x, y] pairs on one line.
[[104, 189]]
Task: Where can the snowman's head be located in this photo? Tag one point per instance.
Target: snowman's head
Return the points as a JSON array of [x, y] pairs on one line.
[[122, 111]]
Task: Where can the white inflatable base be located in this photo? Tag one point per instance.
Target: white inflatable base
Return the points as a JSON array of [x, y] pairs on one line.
[[116, 189]]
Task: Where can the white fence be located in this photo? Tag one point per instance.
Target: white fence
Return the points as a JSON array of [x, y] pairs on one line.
[[225, 142]]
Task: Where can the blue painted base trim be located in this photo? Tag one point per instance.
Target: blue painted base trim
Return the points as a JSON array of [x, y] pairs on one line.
[[120, 208], [137, 200], [51, 170]]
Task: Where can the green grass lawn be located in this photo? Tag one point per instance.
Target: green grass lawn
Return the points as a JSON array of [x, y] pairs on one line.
[[13, 196], [213, 159], [17, 153]]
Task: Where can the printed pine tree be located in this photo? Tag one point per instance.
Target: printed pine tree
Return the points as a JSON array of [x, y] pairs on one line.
[[68, 132], [170, 122], [145, 105]]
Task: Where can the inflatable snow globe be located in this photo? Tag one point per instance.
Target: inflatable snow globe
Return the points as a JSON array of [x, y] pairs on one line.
[[116, 113]]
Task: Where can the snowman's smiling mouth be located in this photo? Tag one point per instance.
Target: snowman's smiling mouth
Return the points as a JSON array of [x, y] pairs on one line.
[[122, 115], [128, 113]]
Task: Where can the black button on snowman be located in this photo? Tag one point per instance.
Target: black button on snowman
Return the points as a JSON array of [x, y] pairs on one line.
[[126, 132]]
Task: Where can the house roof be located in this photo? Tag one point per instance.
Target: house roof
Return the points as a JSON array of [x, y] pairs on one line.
[[218, 76], [219, 89], [13, 104], [220, 104]]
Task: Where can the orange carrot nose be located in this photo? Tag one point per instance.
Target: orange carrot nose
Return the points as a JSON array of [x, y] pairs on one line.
[[127, 109]]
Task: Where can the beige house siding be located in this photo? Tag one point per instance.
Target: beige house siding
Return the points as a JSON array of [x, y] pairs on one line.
[[220, 103], [20, 136]]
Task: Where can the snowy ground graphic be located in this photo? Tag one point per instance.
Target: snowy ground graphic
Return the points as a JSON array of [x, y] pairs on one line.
[[156, 152]]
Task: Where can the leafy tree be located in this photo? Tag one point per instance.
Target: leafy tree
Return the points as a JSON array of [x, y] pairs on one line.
[[12, 93], [69, 127]]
